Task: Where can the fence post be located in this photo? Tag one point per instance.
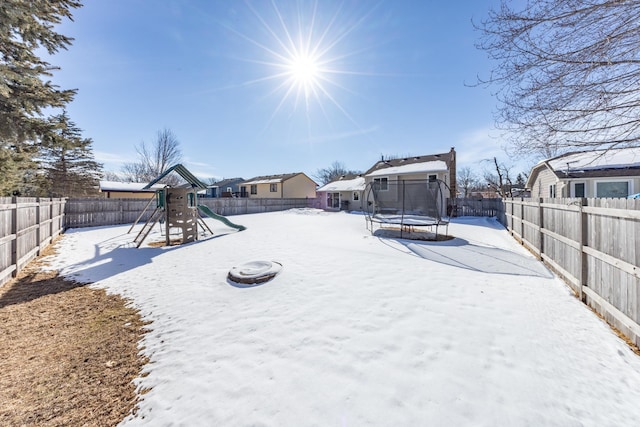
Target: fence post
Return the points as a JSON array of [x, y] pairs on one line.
[[51, 218], [513, 215], [541, 225], [62, 208], [38, 221], [522, 218], [14, 232], [584, 241]]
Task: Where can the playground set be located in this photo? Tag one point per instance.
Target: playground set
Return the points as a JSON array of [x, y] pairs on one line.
[[178, 208]]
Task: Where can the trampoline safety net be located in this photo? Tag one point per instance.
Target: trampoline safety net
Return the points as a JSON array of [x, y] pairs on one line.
[[406, 203]]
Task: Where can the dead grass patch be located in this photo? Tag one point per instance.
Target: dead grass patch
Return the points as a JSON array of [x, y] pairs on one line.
[[161, 243], [391, 232], [68, 353]]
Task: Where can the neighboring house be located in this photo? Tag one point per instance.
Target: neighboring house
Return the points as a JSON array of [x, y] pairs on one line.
[[225, 188], [292, 185], [345, 193], [432, 167], [115, 189], [597, 173], [428, 167]]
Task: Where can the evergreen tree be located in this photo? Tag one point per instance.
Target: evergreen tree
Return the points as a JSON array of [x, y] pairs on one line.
[[26, 27], [69, 168], [15, 165]]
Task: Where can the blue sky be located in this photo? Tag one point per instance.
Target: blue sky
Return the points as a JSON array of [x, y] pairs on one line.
[[368, 79]]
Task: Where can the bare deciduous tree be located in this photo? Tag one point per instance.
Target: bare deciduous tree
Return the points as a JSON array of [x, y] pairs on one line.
[[154, 160], [112, 176], [567, 73], [499, 179], [333, 172], [467, 181]]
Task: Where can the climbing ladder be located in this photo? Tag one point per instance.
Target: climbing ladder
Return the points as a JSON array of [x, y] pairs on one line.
[[146, 229], [203, 225]]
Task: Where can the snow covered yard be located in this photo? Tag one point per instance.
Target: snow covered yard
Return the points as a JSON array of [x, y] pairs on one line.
[[360, 330]]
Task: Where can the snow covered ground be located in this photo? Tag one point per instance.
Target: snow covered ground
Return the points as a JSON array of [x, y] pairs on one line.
[[360, 330]]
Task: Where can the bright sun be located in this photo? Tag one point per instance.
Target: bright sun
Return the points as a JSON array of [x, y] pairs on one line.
[[304, 71], [303, 50]]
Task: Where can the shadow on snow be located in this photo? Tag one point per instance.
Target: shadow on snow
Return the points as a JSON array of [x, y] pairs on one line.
[[463, 254]]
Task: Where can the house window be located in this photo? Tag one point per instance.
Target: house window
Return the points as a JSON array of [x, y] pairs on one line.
[[612, 189], [356, 196], [433, 181], [273, 188], [254, 189], [578, 189], [552, 191], [229, 190], [381, 184]]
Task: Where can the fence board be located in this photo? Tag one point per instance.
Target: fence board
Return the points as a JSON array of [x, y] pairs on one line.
[[594, 244], [472, 206], [591, 242], [100, 212], [27, 225]]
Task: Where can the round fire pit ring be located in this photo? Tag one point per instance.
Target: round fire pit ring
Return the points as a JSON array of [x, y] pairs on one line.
[[254, 272]]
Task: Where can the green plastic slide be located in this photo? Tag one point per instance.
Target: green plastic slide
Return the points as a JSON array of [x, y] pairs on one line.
[[208, 212]]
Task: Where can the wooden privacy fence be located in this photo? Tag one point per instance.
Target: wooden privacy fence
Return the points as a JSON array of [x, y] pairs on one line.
[[475, 206], [97, 212], [27, 225], [594, 244], [239, 206], [91, 212]]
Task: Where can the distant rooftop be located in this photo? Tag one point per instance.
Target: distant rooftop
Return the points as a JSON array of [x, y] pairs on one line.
[[424, 163], [347, 184], [429, 166], [597, 159], [271, 179], [128, 186]]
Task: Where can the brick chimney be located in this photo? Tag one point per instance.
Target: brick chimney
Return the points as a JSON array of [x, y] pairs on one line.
[[452, 173]]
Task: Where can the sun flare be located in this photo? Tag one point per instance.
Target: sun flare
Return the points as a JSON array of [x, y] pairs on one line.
[[304, 51], [304, 70]]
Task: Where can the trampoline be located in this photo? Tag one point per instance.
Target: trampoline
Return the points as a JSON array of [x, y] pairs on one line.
[[407, 205]]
